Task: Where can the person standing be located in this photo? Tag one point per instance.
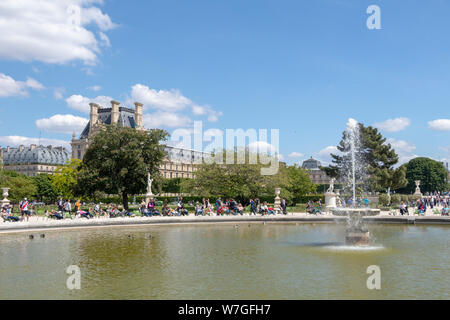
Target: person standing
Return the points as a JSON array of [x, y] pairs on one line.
[[24, 208], [283, 205], [60, 204]]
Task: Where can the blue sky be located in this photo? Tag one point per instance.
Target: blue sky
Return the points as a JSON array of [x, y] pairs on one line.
[[303, 67]]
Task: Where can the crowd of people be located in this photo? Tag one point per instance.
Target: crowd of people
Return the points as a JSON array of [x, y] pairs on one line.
[[436, 201], [65, 209]]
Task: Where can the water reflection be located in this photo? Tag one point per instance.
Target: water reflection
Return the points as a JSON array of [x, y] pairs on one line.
[[244, 261]]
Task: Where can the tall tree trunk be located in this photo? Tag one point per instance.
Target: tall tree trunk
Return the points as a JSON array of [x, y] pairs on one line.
[[125, 200]]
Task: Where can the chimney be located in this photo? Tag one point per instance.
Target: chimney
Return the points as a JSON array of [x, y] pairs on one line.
[[138, 114], [32, 147], [94, 115], [21, 147], [115, 112]]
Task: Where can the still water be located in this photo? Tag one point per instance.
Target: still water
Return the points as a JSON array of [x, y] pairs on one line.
[[253, 261]]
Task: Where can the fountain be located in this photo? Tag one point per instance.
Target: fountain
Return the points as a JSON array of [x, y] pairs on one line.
[[357, 233]]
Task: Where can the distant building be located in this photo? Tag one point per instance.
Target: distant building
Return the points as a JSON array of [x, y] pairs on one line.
[[316, 175], [179, 163], [34, 159]]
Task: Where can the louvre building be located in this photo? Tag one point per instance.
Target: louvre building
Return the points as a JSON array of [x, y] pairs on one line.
[[34, 159], [179, 163]]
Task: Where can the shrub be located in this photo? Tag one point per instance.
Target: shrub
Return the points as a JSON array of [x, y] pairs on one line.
[[395, 199], [383, 200]]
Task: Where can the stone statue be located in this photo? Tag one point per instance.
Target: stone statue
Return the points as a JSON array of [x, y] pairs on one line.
[[149, 184], [149, 194], [418, 192], [331, 188]]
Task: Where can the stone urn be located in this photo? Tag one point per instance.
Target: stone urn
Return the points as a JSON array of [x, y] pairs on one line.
[[277, 203], [5, 196]]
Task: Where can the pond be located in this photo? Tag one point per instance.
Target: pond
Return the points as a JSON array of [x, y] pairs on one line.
[[222, 261]]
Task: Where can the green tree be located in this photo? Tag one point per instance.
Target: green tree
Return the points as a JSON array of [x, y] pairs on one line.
[[44, 188], [20, 185], [377, 156], [119, 159], [172, 185], [432, 175], [299, 183], [64, 180], [242, 181]]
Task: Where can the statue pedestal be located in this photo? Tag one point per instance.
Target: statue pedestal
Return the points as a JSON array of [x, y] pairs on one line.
[[357, 238], [277, 202], [330, 200], [148, 196]]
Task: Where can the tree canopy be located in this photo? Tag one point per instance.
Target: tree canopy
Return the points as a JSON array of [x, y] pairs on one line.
[[432, 175], [376, 157], [20, 185], [64, 179], [243, 181], [119, 159]]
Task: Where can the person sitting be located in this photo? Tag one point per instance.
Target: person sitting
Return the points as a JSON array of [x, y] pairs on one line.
[[146, 212], [445, 211], [115, 212], [54, 215], [174, 213], [199, 210], [84, 214], [8, 216], [240, 209], [165, 209], [317, 208], [233, 207], [209, 211], [181, 209], [421, 208], [264, 209], [97, 210], [403, 209], [309, 207], [156, 212], [271, 210], [127, 213]]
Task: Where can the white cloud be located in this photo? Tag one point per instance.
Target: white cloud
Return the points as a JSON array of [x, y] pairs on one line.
[[170, 101], [81, 103], [440, 124], [95, 88], [10, 87], [62, 123], [15, 141], [58, 93], [404, 149], [393, 125], [161, 119], [34, 84], [52, 31], [324, 155], [295, 155], [263, 147], [213, 132]]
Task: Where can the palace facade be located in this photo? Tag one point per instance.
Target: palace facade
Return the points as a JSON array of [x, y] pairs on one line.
[[34, 159], [179, 163]]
